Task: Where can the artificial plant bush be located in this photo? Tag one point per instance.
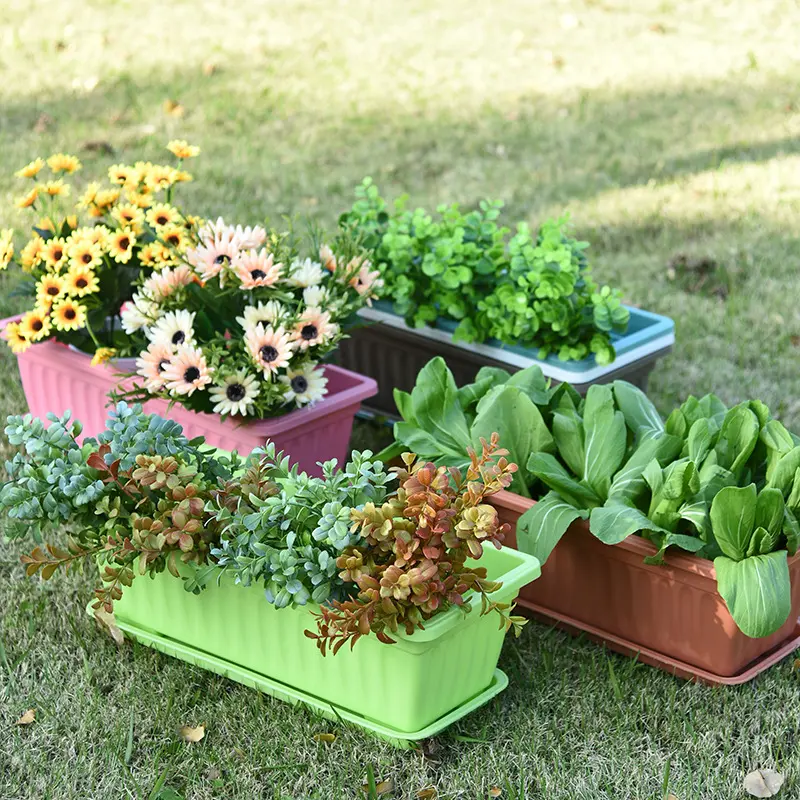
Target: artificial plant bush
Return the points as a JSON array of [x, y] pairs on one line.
[[142, 498], [723, 484], [532, 289]]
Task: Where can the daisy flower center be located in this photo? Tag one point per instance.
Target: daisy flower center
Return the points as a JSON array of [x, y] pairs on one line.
[[81, 283], [299, 384], [268, 353], [124, 243], [173, 239], [257, 274], [37, 325], [162, 220], [163, 364], [309, 332], [222, 259], [52, 290], [87, 258], [235, 392], [69, 313], [179, 337], [191, 374], [58, 255]]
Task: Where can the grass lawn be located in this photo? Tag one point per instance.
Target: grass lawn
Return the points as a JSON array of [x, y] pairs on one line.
[[669, 129]]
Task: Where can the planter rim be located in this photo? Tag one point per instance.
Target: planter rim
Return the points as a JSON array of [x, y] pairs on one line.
[[702, 567], [656, 337], [525, 570]]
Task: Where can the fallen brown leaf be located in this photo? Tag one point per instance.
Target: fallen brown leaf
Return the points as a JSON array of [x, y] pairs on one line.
[[384, 787], [763, 783], [99, 146], [173, 108], [795, 340], [28, 717], [108, 622], [190, 734], [495, 791], [328, 738], [43, 123], [209, 68], [428, 793]]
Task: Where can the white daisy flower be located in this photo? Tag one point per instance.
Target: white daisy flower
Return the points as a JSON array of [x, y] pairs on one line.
[[306, 273], [138, 313], [315, 296], [268, 314], [187, 371], [234, 394], [245, 238], [304, 385], [174, 328]]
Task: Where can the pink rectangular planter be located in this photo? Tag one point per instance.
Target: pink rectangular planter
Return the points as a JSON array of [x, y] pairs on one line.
[[57, 378], [673, 609]]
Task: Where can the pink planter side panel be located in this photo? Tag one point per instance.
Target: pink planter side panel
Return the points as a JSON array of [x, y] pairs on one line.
[[56, 378]]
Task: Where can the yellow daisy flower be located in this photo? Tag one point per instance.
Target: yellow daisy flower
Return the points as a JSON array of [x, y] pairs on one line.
[[80, 281], [17, 341], [29, 199], [68, 314], [55, 188], [159, 177], [190, 222], [161, 214], [123, 175], [84, 253], [120, 245], [181, 176], [87, 198], [182, 149], [173, 236], [98, 234], [6, 247], [35, 325], [46, 224], [103, 200], [141, 199], [49, 289], [55, 254], [31, 170], [31, 254], [128, 215], [72, 221], [60, 162], [102, 355]]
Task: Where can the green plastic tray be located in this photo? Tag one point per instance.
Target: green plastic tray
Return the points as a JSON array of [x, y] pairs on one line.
[[405, 687], [289, 694]]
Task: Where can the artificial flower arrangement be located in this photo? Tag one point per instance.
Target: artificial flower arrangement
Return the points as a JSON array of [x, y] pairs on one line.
[[240, 326], [532, 289], [142, 498], [83, 257]]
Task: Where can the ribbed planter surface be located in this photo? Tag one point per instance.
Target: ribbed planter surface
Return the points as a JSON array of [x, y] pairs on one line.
[[673, 608], [406, 686]]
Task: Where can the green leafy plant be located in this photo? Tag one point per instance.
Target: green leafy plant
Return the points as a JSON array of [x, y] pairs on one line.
[[529, 289]]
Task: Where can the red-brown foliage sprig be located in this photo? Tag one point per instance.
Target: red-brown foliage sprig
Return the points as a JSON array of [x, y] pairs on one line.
[[414, 560]]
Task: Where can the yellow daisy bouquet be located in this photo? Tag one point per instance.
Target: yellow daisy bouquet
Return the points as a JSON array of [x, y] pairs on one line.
[[82, 258], [241, 325]]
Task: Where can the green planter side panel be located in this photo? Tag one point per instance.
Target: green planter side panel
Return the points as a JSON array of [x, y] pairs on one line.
[[405, 686]]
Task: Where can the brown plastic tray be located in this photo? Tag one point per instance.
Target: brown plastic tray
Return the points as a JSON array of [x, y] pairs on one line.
[[673, 666]]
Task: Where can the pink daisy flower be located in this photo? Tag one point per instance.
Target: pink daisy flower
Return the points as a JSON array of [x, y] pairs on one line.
[[270, 348], [152, 363], [366, 281], [314, 327], [257, 269], [210, 259], [327, 258], [187, 371]]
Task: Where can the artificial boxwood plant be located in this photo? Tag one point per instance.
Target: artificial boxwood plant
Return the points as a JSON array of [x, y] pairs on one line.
[[532, 289]]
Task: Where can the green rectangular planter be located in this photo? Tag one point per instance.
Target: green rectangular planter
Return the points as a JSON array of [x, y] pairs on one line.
[[402, 688]]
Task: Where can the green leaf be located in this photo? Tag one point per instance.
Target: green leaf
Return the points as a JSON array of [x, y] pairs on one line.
[[531, 380], [713, 478], [757, 591], [471, 393], [425, 444], [540, 528], [697, 514], [568, 436], [640, 414], [629, 482], [436, 407], [605, 439], [664, 541], [511, 413], [615, 522], [733, 514], [737, 438], [769, 511], [784, 470], [404, 405], [699, 441], [551, 473], [676, 424], [791, 530]]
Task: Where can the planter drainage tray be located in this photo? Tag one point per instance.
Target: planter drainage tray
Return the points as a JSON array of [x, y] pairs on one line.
[[289, 694], [652, 658]]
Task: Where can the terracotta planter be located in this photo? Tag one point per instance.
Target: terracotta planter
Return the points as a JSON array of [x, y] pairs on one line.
[[672, 609], [56, 377]]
